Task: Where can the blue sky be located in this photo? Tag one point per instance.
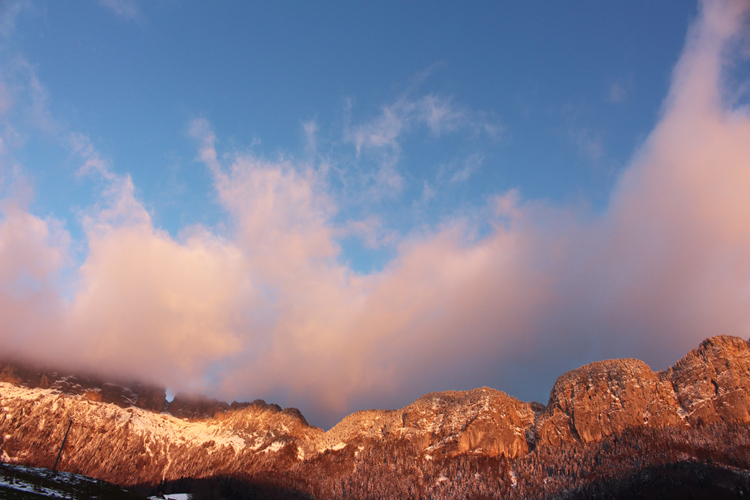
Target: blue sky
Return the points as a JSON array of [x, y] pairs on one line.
[[327, 192], [570, 90]]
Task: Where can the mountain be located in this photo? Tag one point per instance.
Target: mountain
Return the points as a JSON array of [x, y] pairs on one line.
[[608, 429]]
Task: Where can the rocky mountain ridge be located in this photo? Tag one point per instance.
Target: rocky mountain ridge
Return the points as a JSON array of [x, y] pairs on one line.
[[128, 434]]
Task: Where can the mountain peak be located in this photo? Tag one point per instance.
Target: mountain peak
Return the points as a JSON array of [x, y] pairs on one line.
[[122, 433]]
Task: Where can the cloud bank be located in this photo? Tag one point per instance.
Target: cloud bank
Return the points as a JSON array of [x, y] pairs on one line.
[[509, 295]]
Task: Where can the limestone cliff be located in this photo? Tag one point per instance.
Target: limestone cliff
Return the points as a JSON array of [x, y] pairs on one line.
[[483, 421], [713, 381], [710, 384]]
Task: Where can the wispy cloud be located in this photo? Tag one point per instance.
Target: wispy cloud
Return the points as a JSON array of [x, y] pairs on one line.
[[428, 192], [126, 9], [93, 163], [460, 171], [617, 92], [589, 143], [35, 94], [9, 12], [381, 137], [371, 231], [311, 136], [439, 114]]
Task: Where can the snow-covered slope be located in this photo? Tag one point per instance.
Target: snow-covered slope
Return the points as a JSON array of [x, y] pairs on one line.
[[133, 445], [17, 481]]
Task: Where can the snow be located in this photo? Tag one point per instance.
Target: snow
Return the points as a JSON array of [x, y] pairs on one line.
[[169, 429], [172, 496], [20, 485], [161, 427], [442, 421], [8, 390], [275, 446]]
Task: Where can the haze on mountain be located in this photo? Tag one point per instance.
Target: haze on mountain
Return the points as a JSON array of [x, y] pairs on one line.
[[384, 255]]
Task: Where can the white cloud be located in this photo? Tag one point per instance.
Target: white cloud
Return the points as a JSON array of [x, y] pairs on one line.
[[439, 114], [381, 139]]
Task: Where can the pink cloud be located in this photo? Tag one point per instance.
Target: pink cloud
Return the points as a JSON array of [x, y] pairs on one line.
[[33, 251]]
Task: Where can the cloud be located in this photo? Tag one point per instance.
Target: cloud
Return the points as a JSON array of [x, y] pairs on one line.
[[33, 251], [148, 305], [428, 192], [311, 139], [509, 295], [9, 12], [467, 168], [439, 114], [617, 92], [589, 144], [23, 98], [380, 138], [5, 99], [126, 9], [93, 163], [371, 231]]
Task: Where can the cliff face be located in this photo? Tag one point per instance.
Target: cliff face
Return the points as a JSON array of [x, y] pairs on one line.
[[93, 388], [605, 398], [710, 384], [446, 424], [133, 445], [129, 434]]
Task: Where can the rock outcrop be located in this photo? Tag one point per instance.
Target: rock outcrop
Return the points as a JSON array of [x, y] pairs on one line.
[[483, 421], [710, 384], [713, 381], [185, 406], [144, 396], [128, 433], [605, 398]]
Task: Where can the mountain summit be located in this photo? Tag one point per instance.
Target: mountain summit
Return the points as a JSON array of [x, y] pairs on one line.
[[604, 424]]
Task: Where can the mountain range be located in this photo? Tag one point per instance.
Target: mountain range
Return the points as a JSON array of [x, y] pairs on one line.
[[609, 429]]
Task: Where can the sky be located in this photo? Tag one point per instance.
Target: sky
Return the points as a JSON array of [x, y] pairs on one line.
[[342, 206]]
